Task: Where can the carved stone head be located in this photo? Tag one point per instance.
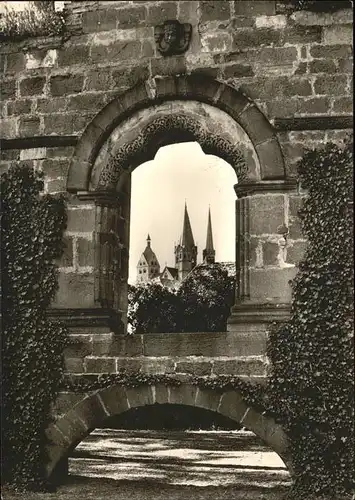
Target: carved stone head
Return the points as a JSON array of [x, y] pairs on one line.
[[172, 37]]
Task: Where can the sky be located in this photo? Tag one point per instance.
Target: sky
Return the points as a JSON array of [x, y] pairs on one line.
[[160, 187]]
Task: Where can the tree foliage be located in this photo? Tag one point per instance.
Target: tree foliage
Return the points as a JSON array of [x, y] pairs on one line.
[[36, 19], [201, 304], [312, 379], [32, 346]]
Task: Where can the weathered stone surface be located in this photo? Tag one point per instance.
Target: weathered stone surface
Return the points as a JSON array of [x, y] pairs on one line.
[[32, 86], [66, 259], [81, 219], [266, 213], [20, 107], [139, 396], [271, 285], [214, 11], [270, 253], [254, 8], [295, 231], [29, 126], [75, 290], [100, 365], [85, 251], [115, 399], [200, 368], [296, 252], [66, 84], [66, 400], [232, 406], [331, 84]]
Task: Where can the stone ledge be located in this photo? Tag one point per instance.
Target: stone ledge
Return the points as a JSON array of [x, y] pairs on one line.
[[314, 123]]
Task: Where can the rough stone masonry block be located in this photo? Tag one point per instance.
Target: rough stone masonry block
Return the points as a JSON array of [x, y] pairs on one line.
[[75, 291], [79, 346], [296, 252], [32, 86], [271, 285], [100, 365], [91, 411], [208, 399], [214, 11], [256, 125], [81, 219], [85, 250], [114, 399], [115, 52], [184, 394], [295, 231], [66, 84], [232, 405], [66, 401], [266, 213], [21, 107], [139, 396], [254, 8], [335, 35], [66, 260], [196, 368], [29, 126], [270, 253]]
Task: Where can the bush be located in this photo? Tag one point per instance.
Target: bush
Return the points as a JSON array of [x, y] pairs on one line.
[[201, 304], [32, 346], [312, 379], [35, 20]]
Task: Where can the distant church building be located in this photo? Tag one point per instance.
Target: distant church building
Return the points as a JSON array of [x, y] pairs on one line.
[[148, 268]]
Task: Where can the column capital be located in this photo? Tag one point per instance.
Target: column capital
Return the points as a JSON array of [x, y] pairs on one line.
[[259, 187]]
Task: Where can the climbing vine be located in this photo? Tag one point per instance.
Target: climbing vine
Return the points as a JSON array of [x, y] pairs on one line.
[[32, 346], [312, 355]]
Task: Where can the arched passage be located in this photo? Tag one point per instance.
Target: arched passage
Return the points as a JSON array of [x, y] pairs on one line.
[[129, 131], [69, 430], [183, 87]]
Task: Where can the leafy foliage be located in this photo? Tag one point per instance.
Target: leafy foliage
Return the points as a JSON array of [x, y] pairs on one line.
[[32, 346], [321, 5], [37, 19], [312, 380], [201, 304]]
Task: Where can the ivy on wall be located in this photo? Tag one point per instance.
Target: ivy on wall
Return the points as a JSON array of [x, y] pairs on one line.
[[321, 5], [312, 356], [32, 227]]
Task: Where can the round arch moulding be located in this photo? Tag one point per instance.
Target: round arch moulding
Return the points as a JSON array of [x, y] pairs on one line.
[[195, 87], [70, 429]]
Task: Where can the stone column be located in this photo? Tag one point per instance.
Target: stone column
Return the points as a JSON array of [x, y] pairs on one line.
[[90, 291], [263, 293]]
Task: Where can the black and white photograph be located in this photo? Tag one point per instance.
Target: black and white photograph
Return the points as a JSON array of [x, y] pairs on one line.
[[177, 250]]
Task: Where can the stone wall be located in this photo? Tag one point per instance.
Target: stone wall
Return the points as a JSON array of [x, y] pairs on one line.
[[292, 64], [295, 66], [200, 354]]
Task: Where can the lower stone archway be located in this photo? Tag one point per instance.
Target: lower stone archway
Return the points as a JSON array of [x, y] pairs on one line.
[[70, 429]]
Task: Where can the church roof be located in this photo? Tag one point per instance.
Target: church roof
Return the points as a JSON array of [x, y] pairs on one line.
[[187, 239], [209, 238], [148, 253], [172, 270]]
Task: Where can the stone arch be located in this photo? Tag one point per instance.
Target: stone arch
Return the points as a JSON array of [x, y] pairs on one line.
[[69, 430], [182, 87]]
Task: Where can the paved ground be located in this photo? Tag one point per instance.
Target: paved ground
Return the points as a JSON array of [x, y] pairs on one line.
[[175, 465]]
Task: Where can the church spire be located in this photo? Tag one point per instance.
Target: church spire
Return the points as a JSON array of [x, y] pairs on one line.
[[148, 241], [209, 252], [186, 250], [187, 239]]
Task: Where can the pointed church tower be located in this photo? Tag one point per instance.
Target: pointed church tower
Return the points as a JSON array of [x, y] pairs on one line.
[[209, 252], [186, 251], [148, 266]]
